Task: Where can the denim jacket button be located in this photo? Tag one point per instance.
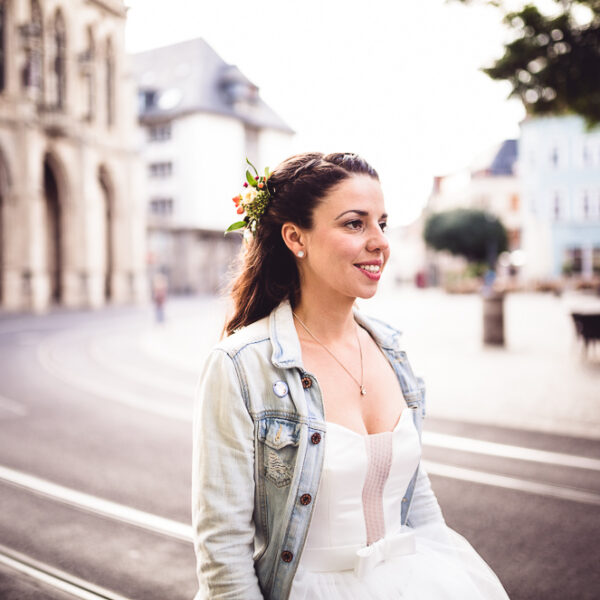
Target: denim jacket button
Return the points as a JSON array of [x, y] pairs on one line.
[[315, 438], [305, 499], [306, 382], [287, 556]]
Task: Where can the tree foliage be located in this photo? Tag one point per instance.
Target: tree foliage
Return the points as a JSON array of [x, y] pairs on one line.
[[553, 62], [474, 234]]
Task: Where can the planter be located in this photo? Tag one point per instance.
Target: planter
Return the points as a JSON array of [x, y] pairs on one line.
[[493, 319]]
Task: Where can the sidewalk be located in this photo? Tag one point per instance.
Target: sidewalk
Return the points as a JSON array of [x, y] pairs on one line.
[[539, 380]]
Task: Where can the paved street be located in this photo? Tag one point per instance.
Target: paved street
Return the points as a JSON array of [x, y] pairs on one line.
[[95, 411]]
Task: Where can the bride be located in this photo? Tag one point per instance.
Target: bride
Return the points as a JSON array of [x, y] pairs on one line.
[[307, 481]]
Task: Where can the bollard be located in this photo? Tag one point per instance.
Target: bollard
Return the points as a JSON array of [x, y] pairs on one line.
[[493, 319]]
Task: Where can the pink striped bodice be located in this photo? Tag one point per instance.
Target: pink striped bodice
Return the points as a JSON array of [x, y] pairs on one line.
[[363, 481]]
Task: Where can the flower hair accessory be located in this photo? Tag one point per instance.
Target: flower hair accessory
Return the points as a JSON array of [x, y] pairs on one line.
[[252, 201]]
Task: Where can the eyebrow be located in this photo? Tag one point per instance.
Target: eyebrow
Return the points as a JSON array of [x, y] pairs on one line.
[[362, 213]]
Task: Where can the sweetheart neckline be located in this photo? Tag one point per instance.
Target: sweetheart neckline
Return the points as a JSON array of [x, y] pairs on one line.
[[364, 435]]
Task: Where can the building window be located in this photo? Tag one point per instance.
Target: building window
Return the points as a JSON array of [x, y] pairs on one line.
[[88, 69], [514, 202], [162, 207], [147, 100], [587, 157], [160, 169], [110, 83], [585, 204], [58, 63], [32, 39], [589, 204], [159, 133], [558, 206], [573, 262], [596, 260], [2, 44]]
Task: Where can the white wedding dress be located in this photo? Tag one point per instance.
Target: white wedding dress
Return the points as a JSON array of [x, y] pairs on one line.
[[356, 548]]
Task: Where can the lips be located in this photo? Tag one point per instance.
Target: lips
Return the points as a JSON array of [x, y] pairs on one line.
[[371, 269]]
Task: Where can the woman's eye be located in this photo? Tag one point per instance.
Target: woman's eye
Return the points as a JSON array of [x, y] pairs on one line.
[[354, 225], [383, 226]]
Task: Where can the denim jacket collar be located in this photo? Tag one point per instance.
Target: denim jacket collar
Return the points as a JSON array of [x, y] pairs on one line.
[[287, 353], [286, 345]]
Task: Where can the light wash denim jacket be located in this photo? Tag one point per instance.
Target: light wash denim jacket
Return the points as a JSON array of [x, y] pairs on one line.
[[259, 440]]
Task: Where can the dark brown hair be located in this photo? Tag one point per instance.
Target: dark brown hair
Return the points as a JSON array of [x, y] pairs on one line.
[[268, 272]]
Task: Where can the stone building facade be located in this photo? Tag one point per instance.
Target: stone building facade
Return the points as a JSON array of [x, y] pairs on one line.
[[72, 218]]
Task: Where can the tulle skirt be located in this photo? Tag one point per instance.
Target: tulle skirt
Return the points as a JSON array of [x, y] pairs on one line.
[[445, 566]]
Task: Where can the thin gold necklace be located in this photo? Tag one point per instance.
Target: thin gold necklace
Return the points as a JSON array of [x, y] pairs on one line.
[[363, 390]]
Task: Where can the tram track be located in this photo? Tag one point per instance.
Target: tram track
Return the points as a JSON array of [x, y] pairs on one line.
[[55, 578], [87, 547], [96, 505]]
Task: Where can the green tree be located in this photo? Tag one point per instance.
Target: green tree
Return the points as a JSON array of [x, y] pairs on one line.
[[474, 234], [553, 61]]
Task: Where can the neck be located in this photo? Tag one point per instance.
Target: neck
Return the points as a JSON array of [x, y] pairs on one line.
[[328, 320]]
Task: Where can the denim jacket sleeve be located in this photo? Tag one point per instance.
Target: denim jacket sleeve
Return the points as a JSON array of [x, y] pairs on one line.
[[223, 485], [424, 508]]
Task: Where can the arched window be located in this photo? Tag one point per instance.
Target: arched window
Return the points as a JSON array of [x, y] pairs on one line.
[[2, 44], [110, 83], [89, 74], [57, 72], [33, 35]]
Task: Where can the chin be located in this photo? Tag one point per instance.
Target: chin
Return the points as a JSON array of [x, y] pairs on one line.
[[365, 294]]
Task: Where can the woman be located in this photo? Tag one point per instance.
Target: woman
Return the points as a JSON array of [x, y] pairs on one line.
[[306, 476]]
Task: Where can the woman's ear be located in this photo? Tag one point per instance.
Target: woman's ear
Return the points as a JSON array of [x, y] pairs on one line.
[[293, 238]]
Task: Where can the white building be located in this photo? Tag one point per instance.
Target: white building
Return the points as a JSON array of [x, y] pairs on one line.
[[559, 170], [490, 184], [71, 222], [200, 119]]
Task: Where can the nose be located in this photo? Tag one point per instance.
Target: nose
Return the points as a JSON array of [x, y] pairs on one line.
[[377, 240]]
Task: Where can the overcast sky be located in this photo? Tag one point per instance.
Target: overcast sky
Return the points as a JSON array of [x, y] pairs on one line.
[[397, 81]]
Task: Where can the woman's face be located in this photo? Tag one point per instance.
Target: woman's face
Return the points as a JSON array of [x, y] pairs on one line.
[[346, 250]]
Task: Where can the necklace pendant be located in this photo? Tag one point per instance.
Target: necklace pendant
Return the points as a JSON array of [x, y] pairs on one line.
[[363, 390]]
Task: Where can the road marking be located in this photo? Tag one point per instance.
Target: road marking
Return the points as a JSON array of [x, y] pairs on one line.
[[12, 406], [454, 442], [136, 374], [513, 483], [56, 578], [138, 401], [97, 505]]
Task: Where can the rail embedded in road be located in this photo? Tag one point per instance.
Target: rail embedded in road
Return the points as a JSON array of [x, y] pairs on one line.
[[56, 578]]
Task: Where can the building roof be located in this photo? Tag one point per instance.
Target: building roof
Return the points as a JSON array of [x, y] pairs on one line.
[[499, 160], [190, 77]]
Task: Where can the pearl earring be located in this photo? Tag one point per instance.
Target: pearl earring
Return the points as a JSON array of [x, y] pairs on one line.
[[300, 254]]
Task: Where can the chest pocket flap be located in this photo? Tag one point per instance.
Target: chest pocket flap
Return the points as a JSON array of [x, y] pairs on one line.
[[278, 433]]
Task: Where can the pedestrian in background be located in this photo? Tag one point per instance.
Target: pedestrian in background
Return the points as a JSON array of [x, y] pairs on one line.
[[160, 288], [307, 482]]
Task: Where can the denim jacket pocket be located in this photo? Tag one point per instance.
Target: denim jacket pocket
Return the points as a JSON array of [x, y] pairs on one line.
[[279, 439]]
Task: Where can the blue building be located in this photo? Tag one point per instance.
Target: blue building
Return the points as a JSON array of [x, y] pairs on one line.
[[559, 171]]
